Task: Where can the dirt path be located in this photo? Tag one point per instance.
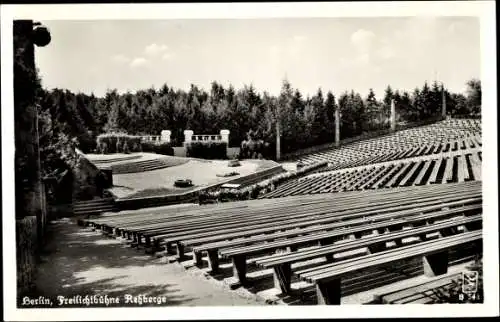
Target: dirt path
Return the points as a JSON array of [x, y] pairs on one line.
[[79, 261]]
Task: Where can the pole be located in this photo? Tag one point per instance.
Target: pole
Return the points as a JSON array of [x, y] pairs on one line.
[[337, 127], [443, 108], [278, 133], [393, 116]]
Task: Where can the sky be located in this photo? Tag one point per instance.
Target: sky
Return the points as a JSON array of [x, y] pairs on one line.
[[334, 54]]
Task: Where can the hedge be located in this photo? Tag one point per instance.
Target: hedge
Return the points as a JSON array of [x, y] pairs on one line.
[[125, 143], [257, 150], [257, 189], [207, 150], [159, 148], [118, 143]]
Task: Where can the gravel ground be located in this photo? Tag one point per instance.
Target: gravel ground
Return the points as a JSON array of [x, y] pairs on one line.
[[79, 261]]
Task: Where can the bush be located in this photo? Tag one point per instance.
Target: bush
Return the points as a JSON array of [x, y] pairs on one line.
[[164, 148], [158, 148], [87, 143], [116, 142], [255, 190], [259, 149], [230, 174], [125, 147], [207, 150]]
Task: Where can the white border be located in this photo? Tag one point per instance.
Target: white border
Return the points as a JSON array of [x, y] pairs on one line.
[[483, 9]]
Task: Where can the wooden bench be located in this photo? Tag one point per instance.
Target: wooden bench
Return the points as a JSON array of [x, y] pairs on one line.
[[343, 217], [322, 234], [282, 263], [476, 166], [367, 203], [423, 293], [327, 278], [205, 219]]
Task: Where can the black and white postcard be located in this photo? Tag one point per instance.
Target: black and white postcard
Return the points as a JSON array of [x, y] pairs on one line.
[[265, 160]]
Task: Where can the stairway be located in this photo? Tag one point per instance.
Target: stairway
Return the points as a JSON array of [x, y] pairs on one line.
[[139, 166], [93, 207]]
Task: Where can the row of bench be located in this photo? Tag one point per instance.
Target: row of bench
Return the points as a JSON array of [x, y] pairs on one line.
[[327, 278], [435, 137], [352, 157], [467, 124], [399, 154], [242, 230], [459, 168]]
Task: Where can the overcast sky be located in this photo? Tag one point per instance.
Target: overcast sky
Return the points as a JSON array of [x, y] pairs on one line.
[[332, 53]]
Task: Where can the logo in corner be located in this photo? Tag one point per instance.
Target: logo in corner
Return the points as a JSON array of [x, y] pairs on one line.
[[469, 282]]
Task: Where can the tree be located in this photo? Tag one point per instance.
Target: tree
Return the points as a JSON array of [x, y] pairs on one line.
[[330, 107], [372, 111], [319, 127], [474, 94], [285, 116], [457, 104], [298, 104], [418, 104], [427, 101], [405, 107], [436, 99], [386, 108]]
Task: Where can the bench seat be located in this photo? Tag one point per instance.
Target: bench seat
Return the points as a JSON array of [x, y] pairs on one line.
[[327, 277]]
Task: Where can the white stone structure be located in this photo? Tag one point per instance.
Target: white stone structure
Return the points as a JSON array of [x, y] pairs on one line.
[[150, 138], [188, 135], [224, 136], [165, 136]]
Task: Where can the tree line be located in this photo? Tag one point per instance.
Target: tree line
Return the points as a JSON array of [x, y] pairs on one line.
[[305, 121]]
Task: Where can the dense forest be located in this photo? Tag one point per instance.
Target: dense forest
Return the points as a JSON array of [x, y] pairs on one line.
[[304, 121]]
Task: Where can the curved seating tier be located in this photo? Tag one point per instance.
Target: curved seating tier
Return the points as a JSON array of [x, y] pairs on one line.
[[342, 234], [448, 135], [457, 168]]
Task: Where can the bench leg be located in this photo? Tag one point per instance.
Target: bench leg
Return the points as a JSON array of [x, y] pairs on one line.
[[156, 244], [375, 248], [213, 261], [181, 255], [435, 264], [473, 226], [198, 258], [240, 268], [169, 247], [448, 231], [149, 247], [328, 293], [394, 228], [282, 276], [325, 242]]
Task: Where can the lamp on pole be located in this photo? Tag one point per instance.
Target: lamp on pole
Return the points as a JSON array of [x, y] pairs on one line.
[[30, 201], [443, 107], [278, 132]]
